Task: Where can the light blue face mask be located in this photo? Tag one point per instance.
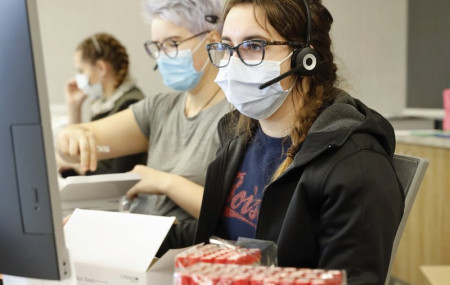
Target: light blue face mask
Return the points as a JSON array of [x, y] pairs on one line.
[[94, 91], [179, 73]]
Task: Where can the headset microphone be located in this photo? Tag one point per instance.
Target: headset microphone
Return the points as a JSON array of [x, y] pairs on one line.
[[304, 60], [282, 76], [306, 67]]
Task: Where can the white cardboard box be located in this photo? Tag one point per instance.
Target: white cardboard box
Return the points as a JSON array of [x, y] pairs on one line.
[[116, 248], [160, 273], [112, 248]]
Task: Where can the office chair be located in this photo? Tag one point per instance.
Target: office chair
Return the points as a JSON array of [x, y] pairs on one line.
[[410, 172]]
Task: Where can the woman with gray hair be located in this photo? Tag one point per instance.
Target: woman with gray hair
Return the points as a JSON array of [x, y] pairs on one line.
[[178, 129]]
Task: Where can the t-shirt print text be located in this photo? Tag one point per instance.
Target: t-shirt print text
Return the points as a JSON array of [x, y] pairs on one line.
[[243, 204]]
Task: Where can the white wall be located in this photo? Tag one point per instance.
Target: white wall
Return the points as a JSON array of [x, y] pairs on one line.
[[65, 23], [369, 40]]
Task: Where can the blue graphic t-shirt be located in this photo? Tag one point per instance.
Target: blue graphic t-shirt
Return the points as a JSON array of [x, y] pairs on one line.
[[263, 156]]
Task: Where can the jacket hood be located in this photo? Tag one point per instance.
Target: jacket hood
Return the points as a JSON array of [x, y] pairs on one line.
[[342, 118]]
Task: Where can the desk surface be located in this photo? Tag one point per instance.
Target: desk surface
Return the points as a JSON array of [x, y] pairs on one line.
[[431, 138], [437, 274]]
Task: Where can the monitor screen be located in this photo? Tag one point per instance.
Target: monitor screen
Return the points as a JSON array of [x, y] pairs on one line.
[[428, 68], [31, 236]]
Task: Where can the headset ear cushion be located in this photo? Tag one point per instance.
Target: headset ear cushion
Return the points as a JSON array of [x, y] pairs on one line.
[[306, 57]]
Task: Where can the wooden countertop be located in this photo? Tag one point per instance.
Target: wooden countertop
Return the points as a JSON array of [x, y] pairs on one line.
[[437, 274], [432, 138]]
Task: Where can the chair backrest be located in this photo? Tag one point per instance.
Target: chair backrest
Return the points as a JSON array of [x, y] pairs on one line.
[[410, 172]]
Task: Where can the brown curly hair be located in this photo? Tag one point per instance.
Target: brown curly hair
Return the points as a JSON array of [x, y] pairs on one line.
[[106, 47], [288, 18]]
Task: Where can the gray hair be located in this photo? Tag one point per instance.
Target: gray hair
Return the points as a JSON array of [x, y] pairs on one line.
[[189, 14]]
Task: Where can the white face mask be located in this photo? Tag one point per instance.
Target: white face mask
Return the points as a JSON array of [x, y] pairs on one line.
[[240, 84], [94, 91]]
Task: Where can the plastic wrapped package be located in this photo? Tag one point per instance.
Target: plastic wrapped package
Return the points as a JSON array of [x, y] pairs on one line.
[[268, 249], [245, 262], [233, 274], [214, 253]]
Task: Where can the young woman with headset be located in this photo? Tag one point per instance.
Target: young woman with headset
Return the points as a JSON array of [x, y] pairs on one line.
[[179, 128], [301, 162]]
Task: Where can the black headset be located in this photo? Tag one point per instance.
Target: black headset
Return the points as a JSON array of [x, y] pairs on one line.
[[304, 61]]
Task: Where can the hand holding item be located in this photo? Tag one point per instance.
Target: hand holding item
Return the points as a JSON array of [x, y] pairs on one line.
[[63, 165], [77, 145], [152, 181]]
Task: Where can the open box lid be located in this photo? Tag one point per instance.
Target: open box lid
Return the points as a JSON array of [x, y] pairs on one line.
[[115, 240]]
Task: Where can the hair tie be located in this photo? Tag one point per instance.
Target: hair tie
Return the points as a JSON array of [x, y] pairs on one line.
[[292, 151], [96, 45]]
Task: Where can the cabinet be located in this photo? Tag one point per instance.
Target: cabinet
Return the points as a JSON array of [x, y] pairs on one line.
[[426, 239]]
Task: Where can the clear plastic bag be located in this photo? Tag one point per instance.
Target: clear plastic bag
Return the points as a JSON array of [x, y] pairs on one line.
[[268, 249], [218, 254]]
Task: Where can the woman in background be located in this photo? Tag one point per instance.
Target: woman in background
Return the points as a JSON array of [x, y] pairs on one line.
[[309, 167], [103, 76]]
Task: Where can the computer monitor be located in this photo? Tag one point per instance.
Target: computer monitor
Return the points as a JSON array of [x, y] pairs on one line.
[[31, 236]]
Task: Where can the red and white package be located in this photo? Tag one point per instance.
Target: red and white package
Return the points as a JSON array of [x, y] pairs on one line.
[[232, 274], [213, 253]]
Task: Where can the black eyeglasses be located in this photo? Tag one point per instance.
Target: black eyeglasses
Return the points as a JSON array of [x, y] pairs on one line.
[[250, 52], [169, 46]]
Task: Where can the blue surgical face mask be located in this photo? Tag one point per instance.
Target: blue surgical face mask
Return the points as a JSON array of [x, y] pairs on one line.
[[179, 73], [94, 91]]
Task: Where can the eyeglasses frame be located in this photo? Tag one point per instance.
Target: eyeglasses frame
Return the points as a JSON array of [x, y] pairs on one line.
[[236, 48], [176, 44]]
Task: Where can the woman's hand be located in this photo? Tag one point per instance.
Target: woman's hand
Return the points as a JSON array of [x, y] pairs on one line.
[[183, 192], [74, 96], [63, 165], [77, 145], [152, 182]]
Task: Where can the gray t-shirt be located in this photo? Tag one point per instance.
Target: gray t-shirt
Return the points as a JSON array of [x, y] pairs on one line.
[[177, 144]]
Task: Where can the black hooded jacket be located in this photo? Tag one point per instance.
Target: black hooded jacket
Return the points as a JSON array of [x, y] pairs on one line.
[[337, 206]]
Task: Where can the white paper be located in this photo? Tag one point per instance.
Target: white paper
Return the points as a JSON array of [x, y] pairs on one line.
[[115, 240], [97, 187]]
